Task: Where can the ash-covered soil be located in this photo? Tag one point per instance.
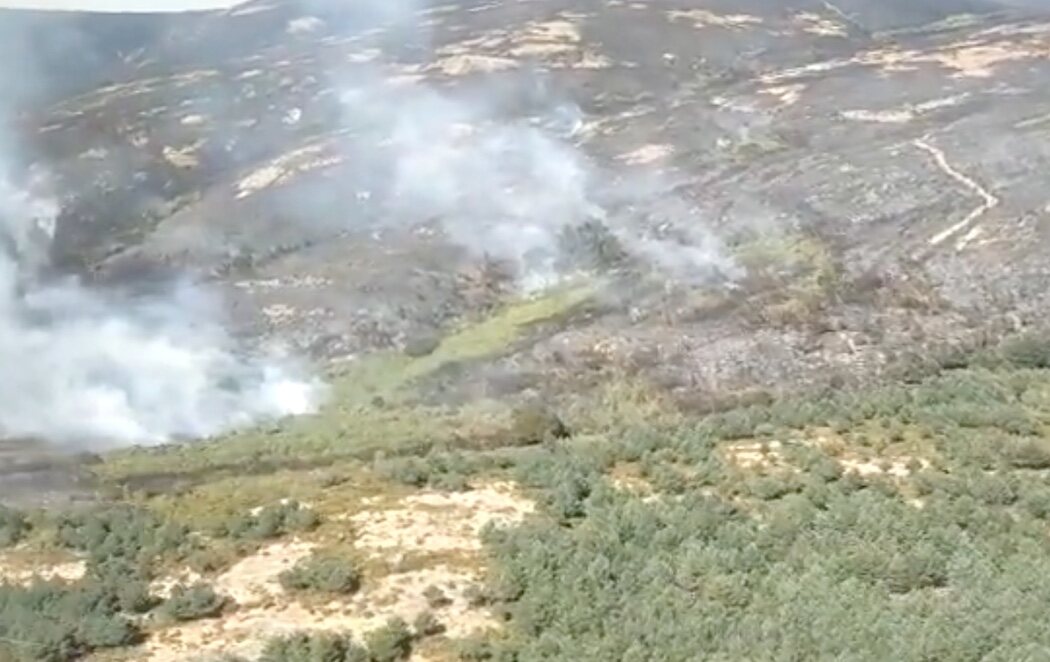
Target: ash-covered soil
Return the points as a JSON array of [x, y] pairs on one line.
[[796, 194]]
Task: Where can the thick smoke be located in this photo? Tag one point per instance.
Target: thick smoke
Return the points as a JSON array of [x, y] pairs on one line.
[[93, 369], [499, 165], [89, 369], [86, 367], [509, 188]]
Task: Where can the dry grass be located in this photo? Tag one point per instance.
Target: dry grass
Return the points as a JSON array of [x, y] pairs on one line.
[[418, 544]]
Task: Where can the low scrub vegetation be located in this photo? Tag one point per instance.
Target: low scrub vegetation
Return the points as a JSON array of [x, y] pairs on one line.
[[314, 647], [191, 603], [124, 533], [794, 552], [271, 522], [13, 526], [53, 622], [390, 643], [322, 574], [907, 521]]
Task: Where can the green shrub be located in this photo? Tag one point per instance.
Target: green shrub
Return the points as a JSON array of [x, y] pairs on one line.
[[122, 532], [475, 649], [1027, 453], [191, 603], [535, 424], [13, 526], [390, 643], [1027, 351], [314, 647], [921, 568], [411, 471], [1037, 503], [271, 522], [326, 574], [768, 488], [53, 622]]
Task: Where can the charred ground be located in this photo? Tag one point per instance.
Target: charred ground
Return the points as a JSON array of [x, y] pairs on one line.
[[867, 168]]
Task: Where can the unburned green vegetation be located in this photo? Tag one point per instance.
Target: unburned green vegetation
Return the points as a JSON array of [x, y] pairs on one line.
[[189, 603], [322, 574], [906, 522], [123, 547], [390, 643], [909, 520], [13, 526], [269, 522]]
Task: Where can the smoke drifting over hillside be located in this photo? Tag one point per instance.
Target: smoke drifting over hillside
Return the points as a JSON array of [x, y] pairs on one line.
[[95, 367], [509, 188], [86, 368]]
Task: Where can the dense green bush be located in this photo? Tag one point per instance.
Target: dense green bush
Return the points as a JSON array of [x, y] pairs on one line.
[[1027, 453], [1028, 351], [326, 574], [390, 643], [271, 522], [53, 622], [314, 647], [13, 526], [191, 603], [120, 532], [443, 470], [845, 568]]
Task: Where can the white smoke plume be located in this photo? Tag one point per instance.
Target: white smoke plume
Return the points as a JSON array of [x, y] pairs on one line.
[[508, 187], [91, 370]]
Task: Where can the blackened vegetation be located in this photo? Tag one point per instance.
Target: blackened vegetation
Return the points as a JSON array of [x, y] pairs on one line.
[[590, 246]]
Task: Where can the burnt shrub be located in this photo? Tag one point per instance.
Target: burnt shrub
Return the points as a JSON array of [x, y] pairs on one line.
[[590, 246]]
